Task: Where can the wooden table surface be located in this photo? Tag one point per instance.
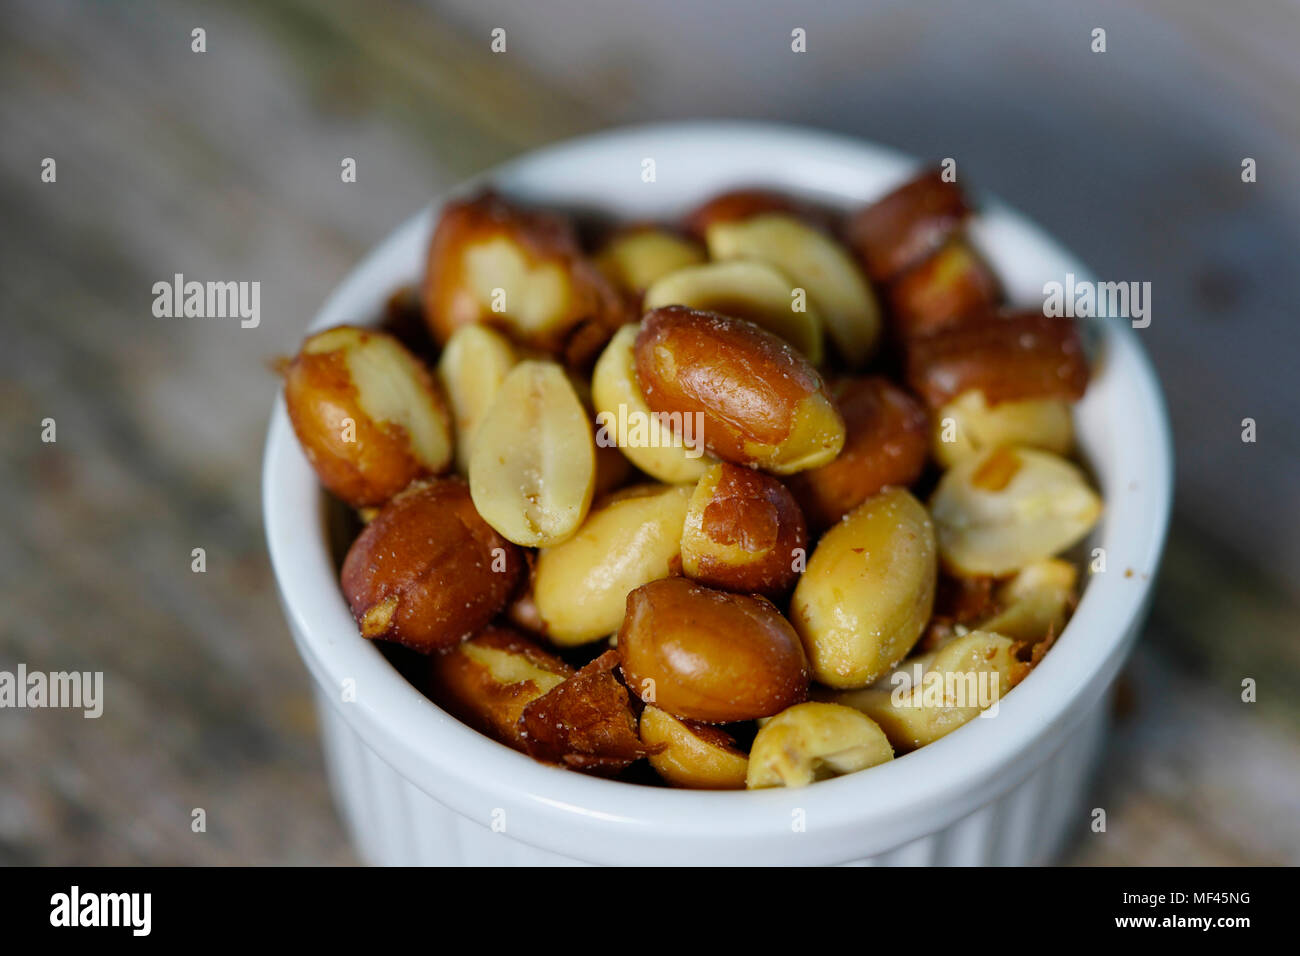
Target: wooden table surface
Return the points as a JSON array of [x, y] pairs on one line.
[[225, 165]]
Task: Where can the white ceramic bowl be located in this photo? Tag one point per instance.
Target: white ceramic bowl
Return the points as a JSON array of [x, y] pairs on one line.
[[417, 786]]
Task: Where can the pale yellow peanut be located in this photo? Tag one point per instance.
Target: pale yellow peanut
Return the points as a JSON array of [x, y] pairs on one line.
[[745, 289], [1035, 604], [648, 443], [1009, 507], [633, 537], [968, 425], [533, 465], [814, 262], [636, 259], [814, 741], [695, 757], [868, 590], [928, 698], [472, 367]]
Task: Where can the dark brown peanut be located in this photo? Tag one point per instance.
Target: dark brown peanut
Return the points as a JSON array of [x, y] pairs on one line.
[[907, 225], [428, 572], [708, 655], [1008, 357], [886, 444]]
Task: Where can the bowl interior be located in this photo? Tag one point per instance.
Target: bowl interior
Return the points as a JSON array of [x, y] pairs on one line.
[[1123, 435]]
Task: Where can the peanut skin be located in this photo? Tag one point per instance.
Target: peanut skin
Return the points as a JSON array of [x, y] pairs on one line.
[[743, 531], [738, 204], [761, 402], [886, 444], [907, 225], [555, 300], [951, 284], [428, 572], [369, 416], [1008, 356], [710, 656], [488, 680]]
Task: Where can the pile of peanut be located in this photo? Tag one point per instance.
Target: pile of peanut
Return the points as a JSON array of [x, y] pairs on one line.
[[655, 498]]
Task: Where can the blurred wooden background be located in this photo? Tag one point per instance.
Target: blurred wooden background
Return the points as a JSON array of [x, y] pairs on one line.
[[225, 165]]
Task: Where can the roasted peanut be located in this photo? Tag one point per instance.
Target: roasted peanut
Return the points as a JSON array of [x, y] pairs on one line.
[[428, 572], [692, 755], [472, 367], [885, 444], [368, 415], [761, 402], [488, 680], [952, 283], [642, 436], [708, 655], [743, 532], [868, 590], [637, 258], [523, 271], [927, 698], [814, 741], [532, 469], [1008, 507], [585, 723], [1035, 603], [580, 587], [968, 425], [907, 225], [817, 264], [1009, 357], [555, 393], [737, 205], [745, 290]]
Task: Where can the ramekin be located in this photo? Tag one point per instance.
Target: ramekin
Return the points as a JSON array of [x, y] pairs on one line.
[[416, 786]]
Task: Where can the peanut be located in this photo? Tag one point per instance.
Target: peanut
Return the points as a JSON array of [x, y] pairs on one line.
[[472, 367], [1035, 603], [708, 655], [368, 415], [968, 425], [532, 469], [743, 532], [885, 444], [585, 723], [1009, 507], [815, 263], [427, 571], [646, 440], [814, 741], [868, 591], [488, 680], [580, 587], [948, 694], [745, 290], [637, 258], [1009, 357], [907, 225], [737, 205], [696, 756], [952, 283], [523, 271], [761, 402]]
